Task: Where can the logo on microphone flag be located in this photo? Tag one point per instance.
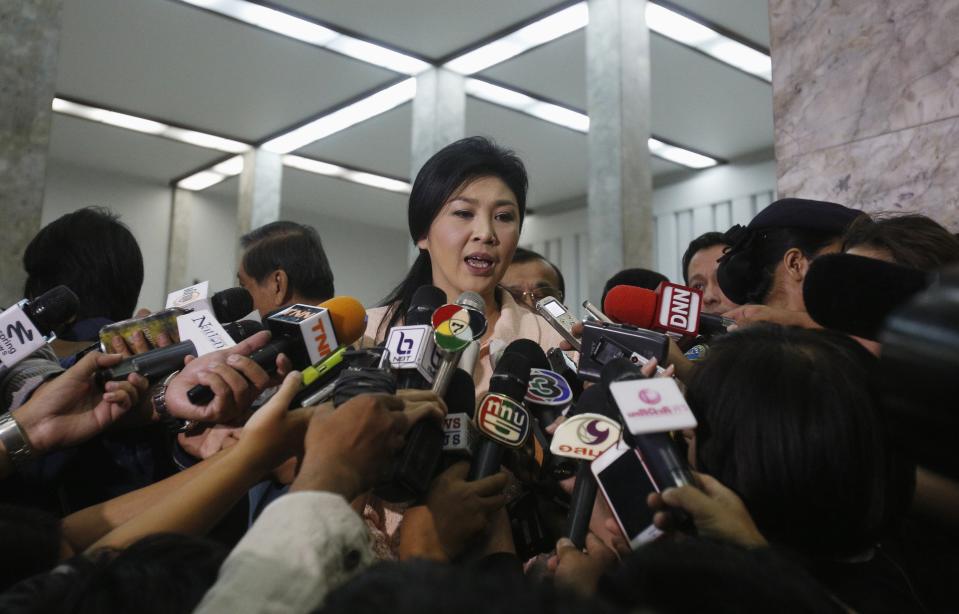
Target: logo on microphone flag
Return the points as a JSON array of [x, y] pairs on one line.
[[585, 436], [503, 420], [548, 388]]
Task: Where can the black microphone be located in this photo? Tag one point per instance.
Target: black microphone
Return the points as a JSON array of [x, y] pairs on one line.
[[855, 295], [29, 325], [156, 364], [411, 345], [666, 466], [231, 304], [592, 401], [501, 417]]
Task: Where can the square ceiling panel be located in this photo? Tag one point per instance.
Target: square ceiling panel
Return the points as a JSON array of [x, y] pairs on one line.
[[116, 150], [697, 102], [433, 29], [176, 62], [380, 145], [338, 198]]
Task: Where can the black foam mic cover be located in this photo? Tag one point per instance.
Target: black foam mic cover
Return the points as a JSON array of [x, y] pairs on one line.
[[532, 351], [231, 304], [855, 295], [426, 299]]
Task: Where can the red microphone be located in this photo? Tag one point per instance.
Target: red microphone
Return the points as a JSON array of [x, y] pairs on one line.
[[672, 308]]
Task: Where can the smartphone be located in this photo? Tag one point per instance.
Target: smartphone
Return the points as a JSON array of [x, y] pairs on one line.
[[559, 318], [625, 483]]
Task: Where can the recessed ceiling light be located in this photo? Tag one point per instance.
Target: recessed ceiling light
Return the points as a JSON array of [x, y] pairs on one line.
[[535, 34], [148, 126], [362, 110], [230, 167], [333, 170], [315, 34], [200, 181], [680, 156]]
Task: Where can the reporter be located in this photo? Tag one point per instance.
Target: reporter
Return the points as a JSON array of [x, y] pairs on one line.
[[67, 411], [309, 541], [764, 268]]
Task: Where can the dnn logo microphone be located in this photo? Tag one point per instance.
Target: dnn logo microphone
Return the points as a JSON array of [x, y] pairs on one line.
[[679, 308]]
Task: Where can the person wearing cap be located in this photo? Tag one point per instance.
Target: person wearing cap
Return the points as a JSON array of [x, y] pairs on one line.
[[765, 266]]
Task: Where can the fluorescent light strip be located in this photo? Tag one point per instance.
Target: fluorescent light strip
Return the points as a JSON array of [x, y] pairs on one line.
[[574, 120], [147, 126], [362, 110], [693, 34], [332, 170], [660, 19], [314, 34], [212, 176], [535, 34]]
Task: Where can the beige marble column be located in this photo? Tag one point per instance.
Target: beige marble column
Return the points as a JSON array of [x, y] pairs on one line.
[[620, 194], [866, 103], [178, 252], [29, 40]]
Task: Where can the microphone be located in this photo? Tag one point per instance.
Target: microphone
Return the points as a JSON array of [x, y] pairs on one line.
[[412, 348], [650, 408], [161, 362], [29, 325], [227, 305], [454, 329], [672, 308], [854, 294], [501, 418], [306, 334], [592, 428], [459, 436]]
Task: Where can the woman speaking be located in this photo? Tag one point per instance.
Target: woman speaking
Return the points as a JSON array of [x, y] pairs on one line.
[[465, 213]]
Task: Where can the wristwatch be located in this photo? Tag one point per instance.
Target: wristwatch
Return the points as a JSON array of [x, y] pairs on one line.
[[174, 424], [14, 440]]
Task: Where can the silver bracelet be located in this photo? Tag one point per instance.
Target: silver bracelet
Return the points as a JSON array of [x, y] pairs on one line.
[[173, 424], [15, 440]]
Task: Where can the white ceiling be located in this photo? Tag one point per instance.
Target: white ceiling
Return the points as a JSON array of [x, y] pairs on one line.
[[176, 63]]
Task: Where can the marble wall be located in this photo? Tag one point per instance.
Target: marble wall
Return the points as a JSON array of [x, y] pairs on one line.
[[866, 103], [29, 39]]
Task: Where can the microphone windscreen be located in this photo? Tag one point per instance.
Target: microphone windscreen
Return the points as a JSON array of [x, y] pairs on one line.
[[460, 396], [425, 301], [616, 369], [511, 377], [242, 329], [592, 401], [854, 294], [348, 317], [231, 304], [531, 350], [471, 300], [631, 305], [52, 309]]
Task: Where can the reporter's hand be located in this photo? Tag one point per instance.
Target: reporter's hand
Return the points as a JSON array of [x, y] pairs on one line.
[[579, 570], [206, 443], [69, 409], [577, 331], [273, 433], [235, 379], [461, 510], [746, 315], [347, 449], [717, 511]]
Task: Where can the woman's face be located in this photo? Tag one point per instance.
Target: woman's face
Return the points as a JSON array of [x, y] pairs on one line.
[[472, 239]]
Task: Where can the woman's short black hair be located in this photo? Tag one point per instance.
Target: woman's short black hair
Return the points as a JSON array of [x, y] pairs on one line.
[[789, 420], [912, 240], [450, 168], [293, 248], [94, 254]]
